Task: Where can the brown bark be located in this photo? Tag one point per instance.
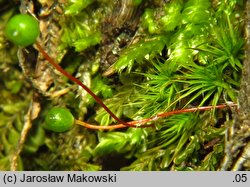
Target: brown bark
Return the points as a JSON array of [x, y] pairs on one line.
[[237, 149]]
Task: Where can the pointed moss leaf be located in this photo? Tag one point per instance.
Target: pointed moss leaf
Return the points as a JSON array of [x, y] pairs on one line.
[[182, 142], [86, 42], [99, 86], [76, 6], [167, 157], [117, 104], [137, 52], [187, 152], [13, 136], [149, 22], [172, 17], [197, 13], [103, 117], [35, 140], [80, 34], [132, 140], [112, 142]]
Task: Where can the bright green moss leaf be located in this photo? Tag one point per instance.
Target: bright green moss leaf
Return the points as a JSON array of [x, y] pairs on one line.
[[35, 140], [84, 43], [121, 142], [76, 6], [172, 17], [196, 13], [188, 151], [149, 21], [139, 51], [13, 136]]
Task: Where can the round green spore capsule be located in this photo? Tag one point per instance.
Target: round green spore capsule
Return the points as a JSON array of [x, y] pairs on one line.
[[22, 30], [59, 120]]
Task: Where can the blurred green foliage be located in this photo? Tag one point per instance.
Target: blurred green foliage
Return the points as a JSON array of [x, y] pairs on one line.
[[182, 54]]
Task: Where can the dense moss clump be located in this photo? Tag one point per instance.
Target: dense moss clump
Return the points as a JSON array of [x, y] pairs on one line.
[[141, 58]]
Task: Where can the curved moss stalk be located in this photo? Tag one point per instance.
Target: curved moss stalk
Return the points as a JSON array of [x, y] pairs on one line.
[[139, 123], [75, 80]]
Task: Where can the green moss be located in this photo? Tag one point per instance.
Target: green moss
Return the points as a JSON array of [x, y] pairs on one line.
[[174, 55]]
